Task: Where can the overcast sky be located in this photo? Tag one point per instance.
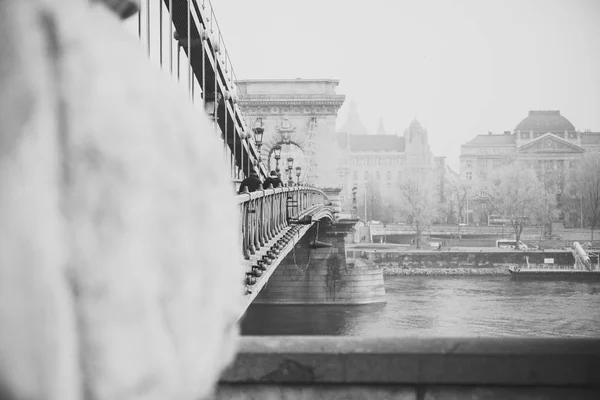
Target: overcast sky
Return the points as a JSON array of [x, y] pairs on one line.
[[461, 67]]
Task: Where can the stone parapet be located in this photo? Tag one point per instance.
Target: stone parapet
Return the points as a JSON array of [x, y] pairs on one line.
[[413, 368]]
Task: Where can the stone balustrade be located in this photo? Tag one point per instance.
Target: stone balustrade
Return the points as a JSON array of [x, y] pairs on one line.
[[265, 213]]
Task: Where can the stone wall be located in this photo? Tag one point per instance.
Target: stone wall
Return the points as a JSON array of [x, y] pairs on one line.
[[452, 259], [323, 276]]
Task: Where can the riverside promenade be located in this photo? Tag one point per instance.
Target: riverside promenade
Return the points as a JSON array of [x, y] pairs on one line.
[[397, 259]]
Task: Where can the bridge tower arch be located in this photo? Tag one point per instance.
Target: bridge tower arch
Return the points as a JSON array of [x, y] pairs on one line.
[[299, 115]]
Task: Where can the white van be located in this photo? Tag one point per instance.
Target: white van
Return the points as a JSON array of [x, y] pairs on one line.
[[510, 244]]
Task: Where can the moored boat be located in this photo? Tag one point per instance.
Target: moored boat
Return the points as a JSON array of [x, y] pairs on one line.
[[554, 274], [582, 270]]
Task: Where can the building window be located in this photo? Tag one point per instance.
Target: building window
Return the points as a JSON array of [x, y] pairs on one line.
[[469, 163], [497, 163], [469, 176], [482, 175], [366, 175], [389, 175], [524, 135], [377, 175], [572, 164], [399, 175], [482, 163], [341, 176], [353, 161]]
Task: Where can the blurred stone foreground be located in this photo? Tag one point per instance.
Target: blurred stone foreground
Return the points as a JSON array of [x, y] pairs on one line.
[[118, 228]]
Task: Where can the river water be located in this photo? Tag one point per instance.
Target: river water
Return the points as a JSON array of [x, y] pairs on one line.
[[446, 306]]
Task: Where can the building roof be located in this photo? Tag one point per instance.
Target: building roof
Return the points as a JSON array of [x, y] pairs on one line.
[[387, 143], [415, 124], [353, 124], [381, 128], [545, 121], [590, 138], [493, 140]]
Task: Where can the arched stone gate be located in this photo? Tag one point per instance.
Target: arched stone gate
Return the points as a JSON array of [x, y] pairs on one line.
[[299, 115]]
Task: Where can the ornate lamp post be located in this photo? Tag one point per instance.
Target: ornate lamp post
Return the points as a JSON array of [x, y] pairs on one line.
[[259, 130], [277, 152], [354, 206], [298, 172], [290, 167]]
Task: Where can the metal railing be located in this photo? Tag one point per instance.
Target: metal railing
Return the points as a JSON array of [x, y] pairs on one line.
[[265, 213], [184, 38], [548, 267]]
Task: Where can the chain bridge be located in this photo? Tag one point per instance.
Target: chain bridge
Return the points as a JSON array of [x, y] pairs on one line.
[[110, 286], [285, 125]]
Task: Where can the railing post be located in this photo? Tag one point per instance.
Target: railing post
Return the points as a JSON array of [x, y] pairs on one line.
[[252, 245], [280, 225], [271, 228], [257, 244], [244, 229], [261, 220]]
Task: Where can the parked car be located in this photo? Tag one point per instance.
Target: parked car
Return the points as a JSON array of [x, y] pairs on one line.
[[510, 244]]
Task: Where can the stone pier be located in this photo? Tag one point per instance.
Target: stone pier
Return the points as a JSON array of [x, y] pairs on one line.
[[317, 271]]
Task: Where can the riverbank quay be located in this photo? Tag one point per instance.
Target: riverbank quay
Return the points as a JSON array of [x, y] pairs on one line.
[[403, 271], [409, 261]]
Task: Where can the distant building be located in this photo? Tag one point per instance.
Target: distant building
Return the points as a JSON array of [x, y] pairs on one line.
[[544, 140], [382, 159]]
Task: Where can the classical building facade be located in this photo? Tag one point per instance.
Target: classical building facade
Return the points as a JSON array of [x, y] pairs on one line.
[[544, 140], [299, 115], [378, 162]]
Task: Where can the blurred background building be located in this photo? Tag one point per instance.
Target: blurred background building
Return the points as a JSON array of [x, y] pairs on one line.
[[545, 141]]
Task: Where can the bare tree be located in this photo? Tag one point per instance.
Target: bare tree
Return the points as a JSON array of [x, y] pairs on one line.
[[552, 182], [517, 195], [417, 204], [547, 211], [585, 182], [461, 190], [371, 195]]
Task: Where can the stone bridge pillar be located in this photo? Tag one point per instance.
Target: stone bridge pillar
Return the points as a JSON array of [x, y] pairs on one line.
[[320, 271]]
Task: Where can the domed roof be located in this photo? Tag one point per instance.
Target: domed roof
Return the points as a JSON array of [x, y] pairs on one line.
[[545, 121]]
